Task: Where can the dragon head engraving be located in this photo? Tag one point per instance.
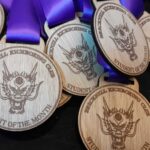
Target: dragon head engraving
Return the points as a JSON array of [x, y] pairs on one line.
[[124, 38], [148, 39], [81, 59], [119, 124], [18, 88]]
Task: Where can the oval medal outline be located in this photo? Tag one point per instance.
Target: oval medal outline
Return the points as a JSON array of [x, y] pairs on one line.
[[91, 95], [2, 17], [49, 61], [101, 49], [50, 52], [144, 21]]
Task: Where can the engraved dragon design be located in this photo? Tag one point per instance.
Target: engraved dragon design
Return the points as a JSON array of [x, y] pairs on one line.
[[81, 59], [119, 124], [18, 88], [148, 38], [124, 38]]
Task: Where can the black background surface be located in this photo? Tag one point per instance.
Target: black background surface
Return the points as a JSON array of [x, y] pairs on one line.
[[60, 132]]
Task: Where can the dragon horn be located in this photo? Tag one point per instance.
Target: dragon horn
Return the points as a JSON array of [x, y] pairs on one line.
[[34, 70], [66, 52], [124, 23], [111, 27], [6, 69], [130, 109], [84, 42], [106, 105]]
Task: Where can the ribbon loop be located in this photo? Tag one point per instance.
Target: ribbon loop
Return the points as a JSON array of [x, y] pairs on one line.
[[58, 11], [23, 25], [6, 4]]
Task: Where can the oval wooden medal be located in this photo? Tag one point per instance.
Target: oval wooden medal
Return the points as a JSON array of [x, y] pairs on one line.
[[115, 117], [73, 49], [120, 38], [30, 88], [145, 25], [41, 47], [2, 18]]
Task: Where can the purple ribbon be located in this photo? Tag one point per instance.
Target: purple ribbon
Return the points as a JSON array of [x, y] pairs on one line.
[[136, 7], [88, 11], [58, 11], [41, 16], [6, 4], [78, 5], [23, 25], [114, 76]]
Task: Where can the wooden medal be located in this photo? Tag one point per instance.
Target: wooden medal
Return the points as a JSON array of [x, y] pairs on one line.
[[64, 99], [72, 47], [120, 38], [30, 88], [2, 18], [41, 47], [115, 117], [145, 25]]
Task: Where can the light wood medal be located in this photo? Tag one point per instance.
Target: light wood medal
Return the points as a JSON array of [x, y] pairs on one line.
[[120, 38], [115, 117], [30, 87], [72, 47], [41, 47]]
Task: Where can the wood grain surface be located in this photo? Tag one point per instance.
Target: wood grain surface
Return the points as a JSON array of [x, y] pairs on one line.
[[64, 98], [145, 25], [41, 47], [121, 38], [72, 47], [30, 90], [115, 117], [145, 13]]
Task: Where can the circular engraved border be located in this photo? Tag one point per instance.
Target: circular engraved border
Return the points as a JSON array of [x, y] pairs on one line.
[[59, 96], [98, 43], [62, 103], [49, 39], [93, 92], [3, 18], [144, 19]]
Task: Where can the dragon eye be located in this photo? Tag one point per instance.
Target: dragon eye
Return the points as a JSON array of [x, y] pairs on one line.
[[118, 117], [122, 32], [115, 32], [79, 54], [19, 81]]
